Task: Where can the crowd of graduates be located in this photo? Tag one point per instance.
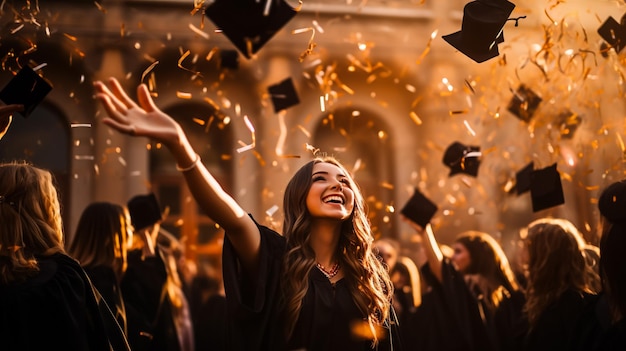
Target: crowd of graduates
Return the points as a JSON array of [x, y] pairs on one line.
[[323, 284]]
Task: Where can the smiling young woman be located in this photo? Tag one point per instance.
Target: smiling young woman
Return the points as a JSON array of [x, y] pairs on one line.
[[319, 286]]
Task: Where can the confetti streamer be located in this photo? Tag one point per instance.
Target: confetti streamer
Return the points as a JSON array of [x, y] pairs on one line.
[[311, 45], [199, 31], [252, 145], [148, 70]]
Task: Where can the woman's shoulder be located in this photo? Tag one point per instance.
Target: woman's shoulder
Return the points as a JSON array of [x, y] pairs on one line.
[[59, 277], [52, 270], [269, 235]]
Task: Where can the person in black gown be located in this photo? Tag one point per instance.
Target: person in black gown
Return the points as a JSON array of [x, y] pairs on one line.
[[157, 309], [100, 245], [474, 301], [602, 325], [407, 292], [47, 301], [317, 287], [560, 282], [208, 309]]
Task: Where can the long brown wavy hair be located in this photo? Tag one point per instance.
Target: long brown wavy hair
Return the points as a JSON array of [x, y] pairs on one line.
[[365, 275], [488, 260], [556, 263], [31, 220], [101, 237]]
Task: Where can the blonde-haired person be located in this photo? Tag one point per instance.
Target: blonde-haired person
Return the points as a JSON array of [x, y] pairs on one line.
[[475, 302], [317, 287], [560, 282], [46, 299], [100, 244]]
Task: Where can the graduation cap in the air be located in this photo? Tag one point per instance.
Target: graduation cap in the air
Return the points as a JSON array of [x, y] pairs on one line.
[[568, 123], [614, 33], [462, 159], [524, 103], [229, 59], [249, 24], [612, 202], [481, 29], [283, 95], [522, 179], [419, 208], [144, 211], [26, 88], [546, 189]]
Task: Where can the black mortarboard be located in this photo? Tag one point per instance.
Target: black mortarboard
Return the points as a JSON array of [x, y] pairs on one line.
[[524, 103], [144, 211], [283, 95], [546, 189], [419, 209], [612, 202], [568, 123], [229, 59], [481, 30], [462, 159], [522, 179], [26, 88], [249, 24], [613, 33]]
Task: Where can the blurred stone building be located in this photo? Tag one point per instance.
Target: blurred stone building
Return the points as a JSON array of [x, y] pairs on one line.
[[378, 88]]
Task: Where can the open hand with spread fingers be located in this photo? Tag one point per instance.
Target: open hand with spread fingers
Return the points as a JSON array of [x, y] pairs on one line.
[[136, 119]]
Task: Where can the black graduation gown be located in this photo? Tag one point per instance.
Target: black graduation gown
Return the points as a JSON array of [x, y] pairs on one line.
[[594, 330], [554, 330], [450, 317], [255, 317], [148, 308], [210, 324], [105, 280], [58, 309]]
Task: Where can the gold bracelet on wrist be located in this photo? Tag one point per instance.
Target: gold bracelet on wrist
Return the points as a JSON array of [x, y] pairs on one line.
[[193, 165]]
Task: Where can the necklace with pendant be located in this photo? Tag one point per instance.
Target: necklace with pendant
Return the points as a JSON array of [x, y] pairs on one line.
[[331, 272]]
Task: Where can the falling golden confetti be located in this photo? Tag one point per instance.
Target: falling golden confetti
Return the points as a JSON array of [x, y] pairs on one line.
[[365, 331], [311, 45], [197, 6], [458, 112], [322, 103], [17, 29], [183, 95], [415, 118], [304, 131], [100, 8], [280, 143], [424, 53], [387, 185], [252, 145], [211, 53], [180, 63], [469, 128], [469, 86], [148, 70], [199, 31]]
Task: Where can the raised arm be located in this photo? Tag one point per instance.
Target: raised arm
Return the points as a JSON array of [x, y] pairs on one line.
[[431, 247], [147, 120]]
